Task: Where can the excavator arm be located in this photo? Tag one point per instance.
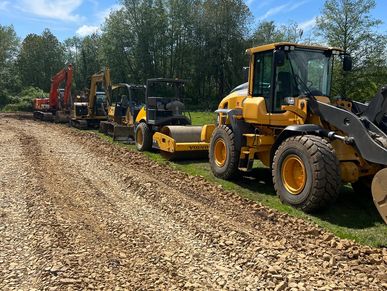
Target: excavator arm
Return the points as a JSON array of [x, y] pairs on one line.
[[100, 77], [62, 75]]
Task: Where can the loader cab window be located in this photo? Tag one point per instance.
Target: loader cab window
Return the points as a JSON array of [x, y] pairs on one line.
[[263, 70], [304, 72]]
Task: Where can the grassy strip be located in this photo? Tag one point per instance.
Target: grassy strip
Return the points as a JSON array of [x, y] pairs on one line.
[[352, 216]]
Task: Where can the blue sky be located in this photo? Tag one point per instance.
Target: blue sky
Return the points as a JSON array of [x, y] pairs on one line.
[[66, 18]]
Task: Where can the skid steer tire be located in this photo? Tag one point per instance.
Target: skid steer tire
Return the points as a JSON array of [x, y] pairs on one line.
[[143, 137], [223, 155], [306, 173]]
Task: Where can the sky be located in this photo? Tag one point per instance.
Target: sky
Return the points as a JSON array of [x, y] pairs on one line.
[[66, 18]]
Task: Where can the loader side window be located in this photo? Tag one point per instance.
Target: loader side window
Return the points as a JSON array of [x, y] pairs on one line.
[[263, 69]]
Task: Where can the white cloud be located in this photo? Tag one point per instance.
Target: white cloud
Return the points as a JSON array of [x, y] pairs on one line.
[[4, 5], [55, 9], [288, 7], [105, 13], [86, 30], [308, 24]]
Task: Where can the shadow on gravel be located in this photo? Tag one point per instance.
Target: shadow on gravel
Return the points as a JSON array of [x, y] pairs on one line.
[[352, 210]]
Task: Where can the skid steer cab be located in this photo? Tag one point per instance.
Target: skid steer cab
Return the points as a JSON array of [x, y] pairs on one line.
[[165, 124], [127, 101], [284, 117]]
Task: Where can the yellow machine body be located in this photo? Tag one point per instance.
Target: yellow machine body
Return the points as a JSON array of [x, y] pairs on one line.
[[249, 110]]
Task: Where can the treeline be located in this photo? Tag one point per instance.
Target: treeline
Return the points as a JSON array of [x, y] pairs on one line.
[[203, 41]]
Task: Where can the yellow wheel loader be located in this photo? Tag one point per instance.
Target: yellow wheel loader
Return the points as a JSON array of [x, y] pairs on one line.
[[127, 101], [285, 117], [92, 108], [164, 124]]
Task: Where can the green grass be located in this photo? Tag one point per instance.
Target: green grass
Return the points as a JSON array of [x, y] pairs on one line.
[[353, 216], [200, 118]]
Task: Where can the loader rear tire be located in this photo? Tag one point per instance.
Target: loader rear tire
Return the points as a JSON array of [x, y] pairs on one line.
[[306, 173], [223, 155], [143, 137]]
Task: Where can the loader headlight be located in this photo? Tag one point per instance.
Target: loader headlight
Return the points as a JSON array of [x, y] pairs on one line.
[[290, 100]]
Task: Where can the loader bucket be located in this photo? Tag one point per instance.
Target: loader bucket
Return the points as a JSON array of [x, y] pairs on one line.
[[379, 192]]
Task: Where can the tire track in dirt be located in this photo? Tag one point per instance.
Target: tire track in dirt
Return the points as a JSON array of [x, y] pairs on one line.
[[115, 219]]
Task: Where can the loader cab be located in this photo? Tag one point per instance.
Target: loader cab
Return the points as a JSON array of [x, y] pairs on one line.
[[164, 102], [282, 72]]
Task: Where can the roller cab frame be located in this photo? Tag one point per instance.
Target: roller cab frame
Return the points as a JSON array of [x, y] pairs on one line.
[[285, 117], [127, 101], [164, 124], [90, 112]]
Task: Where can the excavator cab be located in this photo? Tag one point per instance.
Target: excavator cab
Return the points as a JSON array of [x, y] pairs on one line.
[[57, 106], [89, 113]]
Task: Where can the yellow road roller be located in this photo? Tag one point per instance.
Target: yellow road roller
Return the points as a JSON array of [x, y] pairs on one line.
[[164, 124]]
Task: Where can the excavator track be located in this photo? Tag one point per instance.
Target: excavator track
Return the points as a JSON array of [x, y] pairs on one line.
[[379, 192]]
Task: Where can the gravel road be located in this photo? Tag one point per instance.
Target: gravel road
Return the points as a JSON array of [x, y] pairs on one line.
[[77, 212]]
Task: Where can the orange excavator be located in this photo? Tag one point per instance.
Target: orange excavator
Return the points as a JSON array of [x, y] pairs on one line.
[[57, 106]]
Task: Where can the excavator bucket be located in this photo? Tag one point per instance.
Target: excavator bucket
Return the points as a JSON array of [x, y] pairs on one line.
[[61, 117], [379, 192]]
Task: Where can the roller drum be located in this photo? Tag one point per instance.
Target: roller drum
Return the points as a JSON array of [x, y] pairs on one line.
[[183, 133]]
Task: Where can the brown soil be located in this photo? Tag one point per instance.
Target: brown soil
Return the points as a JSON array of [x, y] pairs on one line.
[[78, 212]]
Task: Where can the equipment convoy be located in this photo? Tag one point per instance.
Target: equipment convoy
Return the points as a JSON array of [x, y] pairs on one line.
[[283, 116]]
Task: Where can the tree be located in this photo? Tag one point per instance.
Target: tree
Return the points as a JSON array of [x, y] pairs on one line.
[[41, 57], [9, 79], [348, 24], [268, 32]]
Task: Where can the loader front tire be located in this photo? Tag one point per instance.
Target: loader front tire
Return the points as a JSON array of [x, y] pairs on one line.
[[143, 137], [306, 173], [223, 155]]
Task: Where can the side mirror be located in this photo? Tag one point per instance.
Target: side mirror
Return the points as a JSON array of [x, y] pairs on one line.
[[347, 63], [279, 58], [245, 74]]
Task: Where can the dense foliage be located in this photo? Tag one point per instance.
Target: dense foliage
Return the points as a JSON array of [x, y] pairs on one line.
[[203, 41]]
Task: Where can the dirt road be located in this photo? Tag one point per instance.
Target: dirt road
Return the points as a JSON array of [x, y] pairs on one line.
[[78, 212]]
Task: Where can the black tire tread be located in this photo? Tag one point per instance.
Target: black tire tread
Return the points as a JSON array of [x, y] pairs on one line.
[[232, 169], [325, 169], [147, 137]]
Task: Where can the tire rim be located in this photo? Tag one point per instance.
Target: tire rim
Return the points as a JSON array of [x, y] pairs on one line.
[[293, 174], [220, 152], [139, 137]]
